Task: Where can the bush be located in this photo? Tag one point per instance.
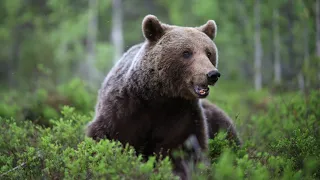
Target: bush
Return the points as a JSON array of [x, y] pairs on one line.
[[281, 142], [63, 152], [42, 104]]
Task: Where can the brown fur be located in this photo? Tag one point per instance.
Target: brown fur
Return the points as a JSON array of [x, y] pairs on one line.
[[148, 98], [218, 120]]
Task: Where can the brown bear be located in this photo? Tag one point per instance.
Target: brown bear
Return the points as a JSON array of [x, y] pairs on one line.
[[150, 99]]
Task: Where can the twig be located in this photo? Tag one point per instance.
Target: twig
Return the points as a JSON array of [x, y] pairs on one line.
[[19, 166]]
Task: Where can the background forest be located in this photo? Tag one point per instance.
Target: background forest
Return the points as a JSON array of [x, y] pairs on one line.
[[54, 55]]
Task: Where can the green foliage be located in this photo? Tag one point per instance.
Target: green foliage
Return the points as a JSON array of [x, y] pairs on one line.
[[63, 152], [50, 35], [45, 103], [77, 92], [44, 46], [283, 143]]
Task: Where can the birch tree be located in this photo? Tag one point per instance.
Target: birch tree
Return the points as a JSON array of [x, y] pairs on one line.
[[117, 30], [318, 31], [92, 72], [276, 45], [257, 47], [318, 26], [306, 53]]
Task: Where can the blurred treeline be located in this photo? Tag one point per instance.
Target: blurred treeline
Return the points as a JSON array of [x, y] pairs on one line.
[[261, 43]]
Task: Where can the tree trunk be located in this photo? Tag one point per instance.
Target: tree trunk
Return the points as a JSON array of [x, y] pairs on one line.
[[276, 45], [150, 5], [14, 57], [301, 82], [117, 34], [318, 26], [306, 58], [318, 31], [246, 38], [258, 48], [290, 31], [90, 70], [292, 62]]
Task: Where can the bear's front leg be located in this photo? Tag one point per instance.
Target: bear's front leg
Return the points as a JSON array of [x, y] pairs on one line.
[[97, 129], [201, 132], [185, 165], [218, 120]]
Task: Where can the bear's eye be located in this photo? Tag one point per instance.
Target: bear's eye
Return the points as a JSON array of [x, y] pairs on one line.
[[209, 54], [187, 54]]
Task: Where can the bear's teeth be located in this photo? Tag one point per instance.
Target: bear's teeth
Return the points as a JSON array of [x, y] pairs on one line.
[[202, 92]]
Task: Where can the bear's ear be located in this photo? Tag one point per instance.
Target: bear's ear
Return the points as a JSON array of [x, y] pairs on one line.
[[210, 29], [152, 28]]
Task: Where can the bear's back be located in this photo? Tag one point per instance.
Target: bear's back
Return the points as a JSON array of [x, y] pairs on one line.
[[122, 66]]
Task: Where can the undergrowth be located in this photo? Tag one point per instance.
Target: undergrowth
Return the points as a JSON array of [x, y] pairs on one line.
[[281, 141]]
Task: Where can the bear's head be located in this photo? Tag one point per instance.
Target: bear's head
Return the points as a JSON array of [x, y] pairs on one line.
[[183, 60]]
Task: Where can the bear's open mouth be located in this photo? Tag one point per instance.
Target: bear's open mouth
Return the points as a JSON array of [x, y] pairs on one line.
[[202, 91]]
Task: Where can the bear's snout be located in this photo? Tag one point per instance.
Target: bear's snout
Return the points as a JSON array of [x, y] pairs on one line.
[[213, 76]]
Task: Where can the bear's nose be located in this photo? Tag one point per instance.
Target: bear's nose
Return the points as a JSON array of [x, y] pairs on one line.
[[213, 76]]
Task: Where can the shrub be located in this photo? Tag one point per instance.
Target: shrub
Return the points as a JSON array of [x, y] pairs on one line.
[[281, 142], [62, 151], [41, 105]]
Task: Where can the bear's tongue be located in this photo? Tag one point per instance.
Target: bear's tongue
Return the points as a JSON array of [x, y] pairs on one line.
[[202, 90]]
